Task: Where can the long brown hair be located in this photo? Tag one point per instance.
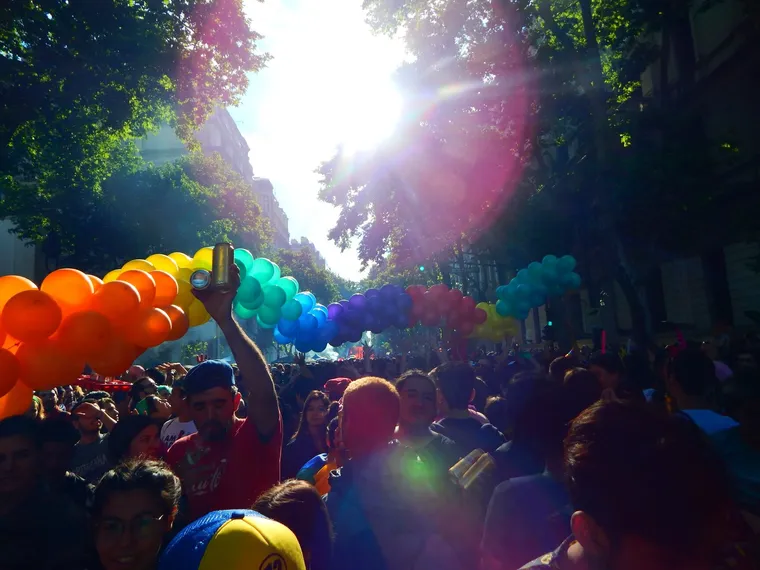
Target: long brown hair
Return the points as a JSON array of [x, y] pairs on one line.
[[303, 428]]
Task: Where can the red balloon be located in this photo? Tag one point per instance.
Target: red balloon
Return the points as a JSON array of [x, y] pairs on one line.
[[480, 316], [466, 328], [455, 295], [468, 304], [430, 319]]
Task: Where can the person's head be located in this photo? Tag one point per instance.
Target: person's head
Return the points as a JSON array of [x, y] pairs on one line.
[[212, 398], [691, 374], [607, 367], [158, 377], [36, 411], [135, 371], [314, 414], [298, 506], [19, 456], [164, 391], [109, 407], [86, 418], [497, 412], [98, 395], [581, 385], [456, 385], [369, 414], [142, 387], [154, 407], [233, 539], [133, 510], [417, 396], [560, 365], [57, 438], [646, 488], [177, 399], [49, 399], [332, 435], [134, 437]]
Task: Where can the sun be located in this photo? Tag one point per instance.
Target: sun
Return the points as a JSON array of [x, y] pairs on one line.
[[367, 115]]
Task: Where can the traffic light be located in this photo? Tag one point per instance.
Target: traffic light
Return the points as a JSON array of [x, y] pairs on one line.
[[422, 268]]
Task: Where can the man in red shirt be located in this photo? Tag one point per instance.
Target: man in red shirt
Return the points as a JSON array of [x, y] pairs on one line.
[[229, 462]]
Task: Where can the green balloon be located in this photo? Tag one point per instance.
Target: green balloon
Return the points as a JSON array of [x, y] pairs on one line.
[[269, 315], [249, 289], [244, 313], [289, 285], [276, 275], [262, 270], [243, 270], [244, 257], [274, 296], [291, 310]]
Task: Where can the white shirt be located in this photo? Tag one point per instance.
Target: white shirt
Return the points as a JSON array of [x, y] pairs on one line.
[[174, 429]]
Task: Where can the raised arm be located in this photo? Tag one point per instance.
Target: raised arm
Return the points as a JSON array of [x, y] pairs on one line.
[[255, 381]]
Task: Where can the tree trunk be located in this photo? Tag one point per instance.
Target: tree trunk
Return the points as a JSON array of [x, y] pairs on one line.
[[641, 319]]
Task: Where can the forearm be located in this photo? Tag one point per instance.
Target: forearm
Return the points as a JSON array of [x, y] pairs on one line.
[[108, 421], [255, 380]]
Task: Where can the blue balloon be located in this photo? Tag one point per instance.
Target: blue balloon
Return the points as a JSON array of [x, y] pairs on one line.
[[388, 290], [321, 308], [375, 304], [550, 277], [550, 260], [372, 293], [319, 346], [503, 308], [574, 280], [320, 316], [303, 345], [501, 291], [512, 287], [523, 290], [288, 328], [280, 338], [307, 323], [307, 301], [404, 303], [523, 276], [566, 264]]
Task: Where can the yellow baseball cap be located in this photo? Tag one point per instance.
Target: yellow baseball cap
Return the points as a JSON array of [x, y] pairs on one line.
[[233, 540]]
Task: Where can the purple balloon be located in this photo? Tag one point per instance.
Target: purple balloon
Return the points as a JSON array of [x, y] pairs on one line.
[[358, 301], [334, 310], [371, 293], [388, 290]]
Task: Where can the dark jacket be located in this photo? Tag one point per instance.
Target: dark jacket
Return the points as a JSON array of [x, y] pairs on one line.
[[469, 434], [296, 454]]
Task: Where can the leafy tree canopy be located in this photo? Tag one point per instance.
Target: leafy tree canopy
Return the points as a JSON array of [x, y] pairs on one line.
[[180, 206], [301, 265], [80, 78]]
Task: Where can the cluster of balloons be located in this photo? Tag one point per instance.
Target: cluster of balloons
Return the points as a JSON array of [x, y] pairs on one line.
[[441, 306], [304, 323], [264, 293], [375, 310], [496, 327], [531, 287], [49, 333]]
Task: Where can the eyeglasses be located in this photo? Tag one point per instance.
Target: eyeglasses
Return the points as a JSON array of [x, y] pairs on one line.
[[141, 528]]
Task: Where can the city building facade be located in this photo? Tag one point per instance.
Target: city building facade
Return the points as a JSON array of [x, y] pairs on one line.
[[271, 208]]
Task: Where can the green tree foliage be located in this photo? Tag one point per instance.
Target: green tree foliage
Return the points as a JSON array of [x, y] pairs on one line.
[[180, 206], [193, 349], [527, 133], [79, 79], [301, 265]]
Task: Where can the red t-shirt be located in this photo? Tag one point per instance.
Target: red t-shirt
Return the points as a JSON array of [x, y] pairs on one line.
[[229, 474]]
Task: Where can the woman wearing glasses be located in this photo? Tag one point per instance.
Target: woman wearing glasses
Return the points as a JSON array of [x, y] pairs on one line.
[[134, 508]]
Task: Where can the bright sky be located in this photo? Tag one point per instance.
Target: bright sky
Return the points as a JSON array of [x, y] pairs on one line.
[[329, 82]]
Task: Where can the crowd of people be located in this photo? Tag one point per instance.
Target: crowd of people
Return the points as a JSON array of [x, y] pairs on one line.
[[512, 460]]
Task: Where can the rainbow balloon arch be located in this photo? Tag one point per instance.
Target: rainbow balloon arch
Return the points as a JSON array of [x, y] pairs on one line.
[[49, 333]]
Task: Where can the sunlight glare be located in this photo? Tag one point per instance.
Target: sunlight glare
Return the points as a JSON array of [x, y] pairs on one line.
[[368, 116]]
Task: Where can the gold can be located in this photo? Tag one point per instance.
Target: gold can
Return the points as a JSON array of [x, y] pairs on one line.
[[220, 265]]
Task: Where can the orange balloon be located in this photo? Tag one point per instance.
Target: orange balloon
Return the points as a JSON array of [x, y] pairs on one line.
[[97, 282], [17, 401], [71, 289], [46, 364], [144, 283], [150, 327], [10, 370], [11, 344], [166, 288], [3, 336], [12, 284], [117, 301], [31, 316], [115, 358], [85, 333], [180, 322]]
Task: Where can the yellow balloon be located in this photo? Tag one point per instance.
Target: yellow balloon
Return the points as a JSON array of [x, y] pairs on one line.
[[197, 314], [203, 258], [185, 295], [140, 264], [184, 274], [164, 263], [181, 259], [112, 275]]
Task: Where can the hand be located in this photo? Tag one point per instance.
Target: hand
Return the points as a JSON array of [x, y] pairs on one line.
[[174, 367], [218, 303], [299, 359]]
